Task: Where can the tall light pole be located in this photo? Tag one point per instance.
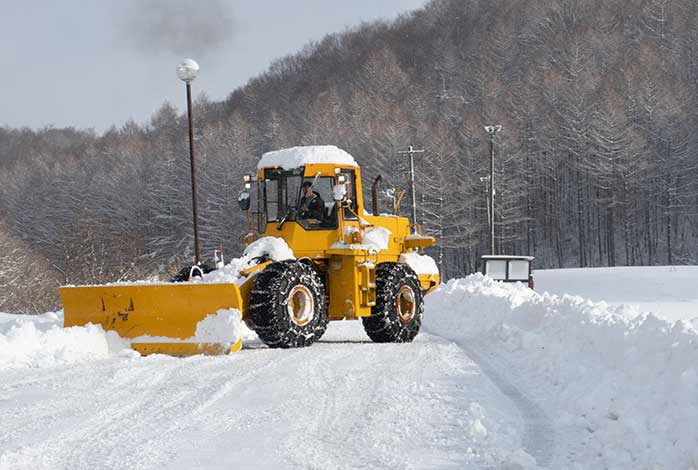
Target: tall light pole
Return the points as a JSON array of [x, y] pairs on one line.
[[492, 132], [187, 71], [411, 151]]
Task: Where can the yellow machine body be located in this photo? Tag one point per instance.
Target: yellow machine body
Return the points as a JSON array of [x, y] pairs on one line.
[[162, 318], [350, 270]]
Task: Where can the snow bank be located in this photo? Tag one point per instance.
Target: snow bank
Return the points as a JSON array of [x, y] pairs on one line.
[[298, 156], [421, 264], [628, 388], [41, 341]]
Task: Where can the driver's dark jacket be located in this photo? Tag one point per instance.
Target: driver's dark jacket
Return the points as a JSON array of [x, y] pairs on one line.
[[312, 207]]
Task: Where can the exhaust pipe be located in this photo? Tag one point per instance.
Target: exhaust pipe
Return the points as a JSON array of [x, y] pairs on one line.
[[375, 187]]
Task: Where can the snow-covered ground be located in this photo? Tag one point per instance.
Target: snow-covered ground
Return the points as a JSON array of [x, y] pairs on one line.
[[670, 292], [343, 403], [501, 378], [611, 389]]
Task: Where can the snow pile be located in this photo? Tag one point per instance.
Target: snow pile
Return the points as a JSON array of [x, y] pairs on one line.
[[41, 341], [273, 248], [377, 238], [626, 388], [372, 239], [420, 264], [223, 327], [295, 157]]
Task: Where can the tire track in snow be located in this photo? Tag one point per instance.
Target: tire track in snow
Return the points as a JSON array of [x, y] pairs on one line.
[[538, 438], [343, 403]]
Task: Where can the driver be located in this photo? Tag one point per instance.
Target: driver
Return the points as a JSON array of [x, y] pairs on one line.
[[312, 206]]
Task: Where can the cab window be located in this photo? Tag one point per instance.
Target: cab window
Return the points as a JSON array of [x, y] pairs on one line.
[[281, 194], [317, 209]]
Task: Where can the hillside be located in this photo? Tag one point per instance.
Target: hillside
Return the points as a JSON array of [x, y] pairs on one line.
[[594, 165]]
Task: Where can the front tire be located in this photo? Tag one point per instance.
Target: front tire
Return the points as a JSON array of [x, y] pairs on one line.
[[397, 315], [288, 305]]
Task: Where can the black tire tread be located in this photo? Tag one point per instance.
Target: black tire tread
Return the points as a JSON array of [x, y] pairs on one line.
[[384, 325], [267, 309]]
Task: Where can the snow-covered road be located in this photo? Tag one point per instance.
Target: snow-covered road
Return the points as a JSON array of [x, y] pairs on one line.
[[343, 403], [501, 378]]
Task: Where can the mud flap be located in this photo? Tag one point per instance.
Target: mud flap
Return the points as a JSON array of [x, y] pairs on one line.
[[163, 317]]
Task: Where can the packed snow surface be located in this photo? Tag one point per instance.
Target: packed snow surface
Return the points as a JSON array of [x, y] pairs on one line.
[[295, 157], [501, 377], [343, 403], [421, 264]]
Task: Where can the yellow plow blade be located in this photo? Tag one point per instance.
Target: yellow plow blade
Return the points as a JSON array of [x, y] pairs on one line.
[[166, 315]]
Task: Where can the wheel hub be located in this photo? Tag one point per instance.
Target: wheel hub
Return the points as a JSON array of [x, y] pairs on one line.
[[301, 306], [405, 303]]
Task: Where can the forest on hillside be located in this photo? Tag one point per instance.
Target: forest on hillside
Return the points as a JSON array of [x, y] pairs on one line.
[[596, 164]]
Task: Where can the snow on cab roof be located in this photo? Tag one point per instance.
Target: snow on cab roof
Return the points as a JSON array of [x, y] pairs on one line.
[[295, 157]]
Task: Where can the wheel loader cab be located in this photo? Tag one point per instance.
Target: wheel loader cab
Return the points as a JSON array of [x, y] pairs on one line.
[[309, 233]]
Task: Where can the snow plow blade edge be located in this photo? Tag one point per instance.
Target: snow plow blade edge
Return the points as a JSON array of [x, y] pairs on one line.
[[162, 318]]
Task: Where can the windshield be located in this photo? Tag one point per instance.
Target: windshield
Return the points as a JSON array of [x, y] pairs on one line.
[[288, 196], [317, 210], [281, 193]]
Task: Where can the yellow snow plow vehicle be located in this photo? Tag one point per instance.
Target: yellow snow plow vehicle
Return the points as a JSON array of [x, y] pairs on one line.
[[346, 264]]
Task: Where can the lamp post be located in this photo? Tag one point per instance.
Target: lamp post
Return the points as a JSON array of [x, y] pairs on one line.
[[492, 132], [187, 71]]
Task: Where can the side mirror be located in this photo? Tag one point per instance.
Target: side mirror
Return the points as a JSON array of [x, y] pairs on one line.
[[339, 192], [244, 200]]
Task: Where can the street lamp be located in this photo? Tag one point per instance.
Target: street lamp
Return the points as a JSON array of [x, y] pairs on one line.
[[492, 132], [187, 71]]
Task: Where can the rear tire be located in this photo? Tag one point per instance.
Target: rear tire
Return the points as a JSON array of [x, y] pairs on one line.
[[397, 315], [288, 305]]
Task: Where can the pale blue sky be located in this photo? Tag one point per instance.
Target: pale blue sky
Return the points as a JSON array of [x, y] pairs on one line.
[[97, 63]]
